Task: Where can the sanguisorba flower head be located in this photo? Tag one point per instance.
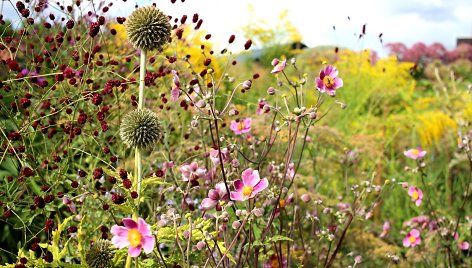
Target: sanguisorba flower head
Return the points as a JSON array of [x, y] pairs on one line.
[[412, 239], [100, 254], [148, 28], [134, 235], [243, 126], [250, 185], [328, 81], [416, 195], [414, 154], [140, 128]]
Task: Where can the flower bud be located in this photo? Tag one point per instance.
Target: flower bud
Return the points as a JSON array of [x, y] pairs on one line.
[[247, 84], [236, 225], [271, 91], [306, 198]]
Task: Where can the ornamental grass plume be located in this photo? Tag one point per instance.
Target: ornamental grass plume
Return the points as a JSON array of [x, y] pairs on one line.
[[148, 28]]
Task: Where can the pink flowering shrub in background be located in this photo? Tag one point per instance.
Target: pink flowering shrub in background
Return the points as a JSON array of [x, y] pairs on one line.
[[122, 154]]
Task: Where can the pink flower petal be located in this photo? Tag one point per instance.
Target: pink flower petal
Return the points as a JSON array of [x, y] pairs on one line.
[[320, 85], [236, 196], [418, 202], [406, 241], [322, 74], [338, 82], [415, 233], [148, 244], [209, 203], [238, 185], [134, 251], [331, 71], [120, 241], [175, 92], [331, 91], [264, 183], [250, 177], [130, 223], [119, 231], [144, 228]]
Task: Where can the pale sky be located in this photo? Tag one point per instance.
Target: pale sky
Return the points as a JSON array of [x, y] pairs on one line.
[[406, 21]]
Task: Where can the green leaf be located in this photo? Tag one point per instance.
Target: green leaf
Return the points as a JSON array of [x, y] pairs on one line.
[[81, 239], [153, 181], [277, 238]]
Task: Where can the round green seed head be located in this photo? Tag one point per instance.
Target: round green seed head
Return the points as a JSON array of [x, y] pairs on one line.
[[140, 128], [100, 254], [148, 28]]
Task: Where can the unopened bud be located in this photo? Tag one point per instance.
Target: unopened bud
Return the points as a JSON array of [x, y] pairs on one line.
[[236, 225], [247, 84]]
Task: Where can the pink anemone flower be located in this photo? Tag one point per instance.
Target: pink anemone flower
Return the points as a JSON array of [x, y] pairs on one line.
[[250, 185], [386, 228], [412, 239], [214, 196], [278, 65], [135, 235], [192, 172], [416, 195], [243, 126], [414, 154], [215, 157], [328, 81]]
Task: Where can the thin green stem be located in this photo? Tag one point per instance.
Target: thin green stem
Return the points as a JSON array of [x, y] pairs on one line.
[[142, 75], [138, 168]]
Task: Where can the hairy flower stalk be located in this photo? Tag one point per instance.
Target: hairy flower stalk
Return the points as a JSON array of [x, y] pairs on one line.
[[147, 29]]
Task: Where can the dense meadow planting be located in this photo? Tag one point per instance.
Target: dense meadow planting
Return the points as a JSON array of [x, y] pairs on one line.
[[133, 142]]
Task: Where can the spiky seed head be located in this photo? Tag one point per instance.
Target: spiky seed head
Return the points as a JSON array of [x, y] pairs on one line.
[[140, 128], [100, 254], [148, 28]]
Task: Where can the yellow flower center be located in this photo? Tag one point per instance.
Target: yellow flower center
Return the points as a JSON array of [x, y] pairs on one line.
[[134, 237], [415, 195], [412, 239], [415, 152], [247, 191], [241, 126], [328, 81]]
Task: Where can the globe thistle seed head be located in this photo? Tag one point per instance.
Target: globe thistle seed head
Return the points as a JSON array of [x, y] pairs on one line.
[[140, 128], [100, 254], [148, 28]]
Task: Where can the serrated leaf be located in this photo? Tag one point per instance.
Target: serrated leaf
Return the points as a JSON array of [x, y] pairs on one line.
[[165, 233], [125, 208], [153, 181], [277, 238]]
